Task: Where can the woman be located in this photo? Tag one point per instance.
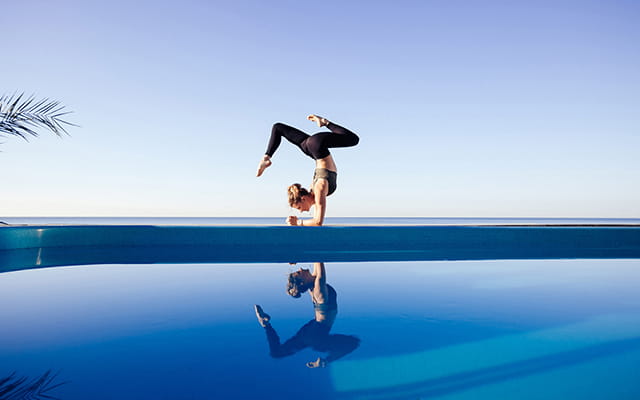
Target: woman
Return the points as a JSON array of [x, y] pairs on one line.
[[326, 173], [315, 333]]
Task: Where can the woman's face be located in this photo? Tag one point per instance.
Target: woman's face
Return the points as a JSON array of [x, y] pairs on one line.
[[304, 204]]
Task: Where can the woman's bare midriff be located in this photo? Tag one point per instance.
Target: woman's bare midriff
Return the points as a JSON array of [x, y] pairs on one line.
[[327, 163]]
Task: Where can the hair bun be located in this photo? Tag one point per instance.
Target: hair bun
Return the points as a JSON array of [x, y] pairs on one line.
[[295, 193]]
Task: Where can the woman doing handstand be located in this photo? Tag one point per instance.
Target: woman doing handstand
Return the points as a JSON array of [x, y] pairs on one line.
[[326, 173]]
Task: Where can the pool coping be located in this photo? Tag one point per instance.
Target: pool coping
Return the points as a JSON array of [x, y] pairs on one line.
[[32, 246]]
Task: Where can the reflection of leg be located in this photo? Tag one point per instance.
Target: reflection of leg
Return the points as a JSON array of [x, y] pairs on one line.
[[291, 346], [301, 340], [337, 346], [276, 349], [263, 317]]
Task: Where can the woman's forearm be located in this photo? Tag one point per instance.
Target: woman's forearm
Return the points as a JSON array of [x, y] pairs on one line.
[[309, 222]]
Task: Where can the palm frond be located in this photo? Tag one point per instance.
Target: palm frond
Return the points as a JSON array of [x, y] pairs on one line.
[[21, 116], [20, 388]]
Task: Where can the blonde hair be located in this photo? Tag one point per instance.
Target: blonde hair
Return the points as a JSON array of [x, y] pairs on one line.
[[296, 192]]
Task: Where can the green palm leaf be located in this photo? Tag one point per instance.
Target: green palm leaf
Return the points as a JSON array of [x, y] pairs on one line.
[[22, 116], [21, 388]]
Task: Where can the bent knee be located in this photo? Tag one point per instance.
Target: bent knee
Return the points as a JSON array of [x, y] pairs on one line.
[[278, 354], [353, 139]]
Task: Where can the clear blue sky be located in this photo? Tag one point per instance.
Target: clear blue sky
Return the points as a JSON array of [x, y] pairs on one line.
[[464, 108]]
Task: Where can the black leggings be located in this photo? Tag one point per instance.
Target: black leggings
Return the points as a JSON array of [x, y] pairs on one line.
[[316, 146]]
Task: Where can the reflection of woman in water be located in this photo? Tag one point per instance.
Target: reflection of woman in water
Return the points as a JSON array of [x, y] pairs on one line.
[[315, 333], [326, 173]]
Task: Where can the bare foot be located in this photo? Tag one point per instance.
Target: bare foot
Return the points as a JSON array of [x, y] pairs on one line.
[[321, 121], [264, 164], [263, 317]]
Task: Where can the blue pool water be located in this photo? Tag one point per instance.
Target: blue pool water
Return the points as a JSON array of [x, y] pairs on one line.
[[526, 329]]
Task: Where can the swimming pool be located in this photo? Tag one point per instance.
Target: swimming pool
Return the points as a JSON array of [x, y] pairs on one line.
[[477, 329]]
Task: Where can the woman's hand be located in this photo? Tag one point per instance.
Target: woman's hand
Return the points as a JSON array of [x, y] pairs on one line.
[[292, 220]]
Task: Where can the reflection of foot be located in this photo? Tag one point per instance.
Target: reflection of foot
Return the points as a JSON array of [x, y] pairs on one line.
[[264, 164], [321, 121], [319, 363], [263, 317]]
